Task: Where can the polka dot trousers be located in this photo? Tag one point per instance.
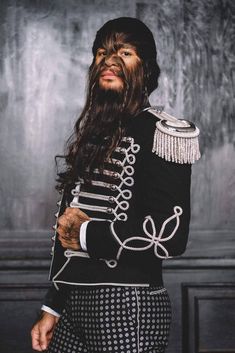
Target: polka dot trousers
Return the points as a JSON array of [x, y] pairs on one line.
[[113, 319]]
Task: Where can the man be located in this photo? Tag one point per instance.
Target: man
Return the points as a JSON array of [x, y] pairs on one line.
[[125, 206]]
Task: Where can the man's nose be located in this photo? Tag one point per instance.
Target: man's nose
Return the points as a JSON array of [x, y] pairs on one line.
[[111, 59]]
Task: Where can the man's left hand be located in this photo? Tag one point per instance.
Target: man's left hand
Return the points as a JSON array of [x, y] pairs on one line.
[[69, 227]]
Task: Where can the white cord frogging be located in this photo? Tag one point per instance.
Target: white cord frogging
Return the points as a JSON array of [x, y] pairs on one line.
[[125, 177], [119, 212], [152, 238], [53, 238]]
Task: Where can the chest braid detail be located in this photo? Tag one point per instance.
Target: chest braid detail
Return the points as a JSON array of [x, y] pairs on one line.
[[119, 203]]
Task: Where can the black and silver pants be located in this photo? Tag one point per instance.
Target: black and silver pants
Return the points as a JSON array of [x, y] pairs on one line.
[[113, 319]]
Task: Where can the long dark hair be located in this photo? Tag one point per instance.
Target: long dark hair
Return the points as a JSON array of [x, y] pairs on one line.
[[103, 120]]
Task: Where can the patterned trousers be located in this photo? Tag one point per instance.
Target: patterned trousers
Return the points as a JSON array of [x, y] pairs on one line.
[[113, 319]]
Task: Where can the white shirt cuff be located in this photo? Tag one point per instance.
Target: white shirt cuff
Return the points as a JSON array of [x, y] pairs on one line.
[[83, 235], [49, 310]]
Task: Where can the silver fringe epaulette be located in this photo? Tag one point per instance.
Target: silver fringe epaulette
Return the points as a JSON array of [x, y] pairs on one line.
[[175, 139]]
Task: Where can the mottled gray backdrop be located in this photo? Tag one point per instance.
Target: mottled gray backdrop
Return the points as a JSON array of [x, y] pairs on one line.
[[45, 51]]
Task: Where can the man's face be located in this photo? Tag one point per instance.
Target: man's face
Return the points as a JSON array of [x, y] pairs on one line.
[[112, 62]]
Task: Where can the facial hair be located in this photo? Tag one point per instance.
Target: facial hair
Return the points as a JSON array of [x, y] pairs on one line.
[[105, 117]]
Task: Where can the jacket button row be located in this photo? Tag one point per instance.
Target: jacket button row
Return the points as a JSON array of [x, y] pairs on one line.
[[109, 210], [111, 199]]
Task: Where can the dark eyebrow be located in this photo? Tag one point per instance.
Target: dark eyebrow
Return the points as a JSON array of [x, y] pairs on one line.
[[119, 45], [129, 46], [125, 46]]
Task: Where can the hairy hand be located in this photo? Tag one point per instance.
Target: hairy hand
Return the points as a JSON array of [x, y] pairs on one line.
[[69, 227]]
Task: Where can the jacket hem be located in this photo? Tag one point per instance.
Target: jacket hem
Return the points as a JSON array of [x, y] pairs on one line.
[[103, 284]]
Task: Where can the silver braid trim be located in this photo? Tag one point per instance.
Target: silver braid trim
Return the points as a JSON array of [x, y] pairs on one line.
[[125, 178], [175, 139], [175, 148], [151, 238], [59, 204]]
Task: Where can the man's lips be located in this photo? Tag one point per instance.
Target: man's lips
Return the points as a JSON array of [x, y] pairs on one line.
[[108, 74]]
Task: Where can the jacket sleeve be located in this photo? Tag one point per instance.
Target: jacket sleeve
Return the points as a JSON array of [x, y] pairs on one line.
[[163, 192], [55, 299]]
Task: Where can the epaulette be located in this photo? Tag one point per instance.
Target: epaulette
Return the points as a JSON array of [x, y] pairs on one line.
[[175, 139]]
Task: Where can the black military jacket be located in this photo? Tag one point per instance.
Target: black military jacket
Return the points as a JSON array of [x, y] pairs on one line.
[[140, 212]]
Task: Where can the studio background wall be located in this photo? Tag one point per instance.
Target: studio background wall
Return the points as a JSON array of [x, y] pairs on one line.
[[45, 52]]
